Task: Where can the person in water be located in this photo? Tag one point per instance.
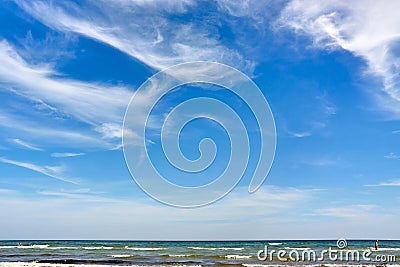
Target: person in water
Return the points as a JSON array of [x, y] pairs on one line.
[[376, 245]]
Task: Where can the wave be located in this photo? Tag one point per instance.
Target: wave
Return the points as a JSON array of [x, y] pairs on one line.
[[26, 247], [122, 256], [387, 249], [222, 248], [274, 243], [55, 248], [255, 265], [289, 248], [179, 255], [143, 249], [237, 257], [93, 263], [95, 248]]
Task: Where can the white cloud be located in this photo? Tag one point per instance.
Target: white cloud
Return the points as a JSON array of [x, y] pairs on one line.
[[270, 213], [66, 155], [273, 196], [387, 183], [87, 102], [323, 109], [257, 11], [141, 29], [51, 171], [396, 132], [26, 145], [80, 194], [110, 130], [352, 211], [300, 134], [94, 104], [240, 8], [392, 156], [239, 215], [368, 29], [50, 135]]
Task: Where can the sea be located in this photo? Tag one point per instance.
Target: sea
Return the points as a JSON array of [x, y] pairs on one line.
[[203, 253]]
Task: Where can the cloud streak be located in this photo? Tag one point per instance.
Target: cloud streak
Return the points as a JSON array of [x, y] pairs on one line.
[[96, 105], [51, 135], [338, 24], [392, 156], [26, 145], [77, 195], [50, 171], [87, 102], [66, 155], [151, 36], [386, 183], [349, 212]]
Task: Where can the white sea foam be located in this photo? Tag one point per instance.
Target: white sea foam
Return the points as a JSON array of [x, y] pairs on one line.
[[387, 249], [255, 265], [237, 257], [222, 248], [143, 249], [179, 255], [95, 248], [122, 256], [26, 247], [56, 248], [289, 248], [274, 243]]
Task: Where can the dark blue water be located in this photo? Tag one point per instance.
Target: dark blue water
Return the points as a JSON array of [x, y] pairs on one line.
[[235, 253]]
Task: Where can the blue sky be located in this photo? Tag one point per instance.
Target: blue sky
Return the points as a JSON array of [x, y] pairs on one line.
[[330, 73]]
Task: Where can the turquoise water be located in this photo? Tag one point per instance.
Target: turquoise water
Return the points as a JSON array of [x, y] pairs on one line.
[[235, 253]]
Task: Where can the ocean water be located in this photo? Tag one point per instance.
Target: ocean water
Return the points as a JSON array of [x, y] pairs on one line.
[[207, 253]]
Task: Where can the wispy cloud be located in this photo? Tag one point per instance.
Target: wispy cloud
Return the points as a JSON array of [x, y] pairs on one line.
[[94, 104], [47, 134], [80, 194], [79, 99], [327, 107], [395, 182], [392, 155], [274, 196], [141, 29], [338, 24], [66, 155], [300, 134], [26, 145], [322, 112], [50, 171], [322, 162], [396, 132], [352, 211]]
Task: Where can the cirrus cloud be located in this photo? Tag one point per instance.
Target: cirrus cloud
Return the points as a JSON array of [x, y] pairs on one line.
[[368, 29]]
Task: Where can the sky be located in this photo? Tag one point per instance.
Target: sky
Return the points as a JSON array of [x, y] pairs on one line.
[[329, 71]]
